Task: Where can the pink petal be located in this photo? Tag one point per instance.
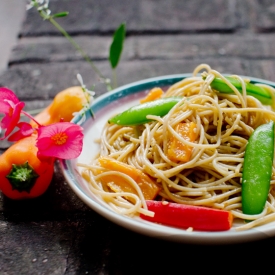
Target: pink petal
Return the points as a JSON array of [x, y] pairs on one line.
[[68, 148], [25, 130], [6, 94], [11, 118]]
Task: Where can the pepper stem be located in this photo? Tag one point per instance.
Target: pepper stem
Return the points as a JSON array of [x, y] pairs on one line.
[[22, 177]]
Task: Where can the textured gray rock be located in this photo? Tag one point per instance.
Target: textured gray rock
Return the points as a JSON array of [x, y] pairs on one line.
[[90, 16]]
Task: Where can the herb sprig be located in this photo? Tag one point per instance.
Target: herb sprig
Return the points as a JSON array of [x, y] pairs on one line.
[[116, 48]]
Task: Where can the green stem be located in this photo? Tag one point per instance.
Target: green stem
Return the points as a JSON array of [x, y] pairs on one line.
[[114, 78], [69, 38], [75, 45], [36, 111]]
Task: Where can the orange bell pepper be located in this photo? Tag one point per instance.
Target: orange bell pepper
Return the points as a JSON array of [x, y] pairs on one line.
[[22, 174], [178, 151], [118, 184], [64, 104], [154, 93]]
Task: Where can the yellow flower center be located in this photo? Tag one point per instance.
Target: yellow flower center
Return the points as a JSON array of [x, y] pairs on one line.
[[59, 138]]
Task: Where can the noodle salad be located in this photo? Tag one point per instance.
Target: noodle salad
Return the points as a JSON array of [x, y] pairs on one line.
[[204, 144]]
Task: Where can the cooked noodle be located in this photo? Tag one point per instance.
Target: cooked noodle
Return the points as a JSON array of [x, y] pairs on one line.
[[212, 176]]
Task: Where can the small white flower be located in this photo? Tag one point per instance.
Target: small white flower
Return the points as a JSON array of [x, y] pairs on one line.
[[105, 80], [29, 6], [88, 94], [91, 93], [85, 90], [80, 80], [41, 2], [41, 5]]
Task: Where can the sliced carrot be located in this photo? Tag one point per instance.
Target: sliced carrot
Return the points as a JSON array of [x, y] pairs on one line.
[[189, 216], [154, 93], [148, 187], [177, 150]]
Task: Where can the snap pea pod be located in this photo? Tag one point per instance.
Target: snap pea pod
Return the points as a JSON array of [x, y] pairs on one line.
[[136, 115], [257, 169], [258, 92]]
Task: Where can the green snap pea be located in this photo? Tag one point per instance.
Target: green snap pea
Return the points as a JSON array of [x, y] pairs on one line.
[[136, 115], [257, 169], [258, 92]]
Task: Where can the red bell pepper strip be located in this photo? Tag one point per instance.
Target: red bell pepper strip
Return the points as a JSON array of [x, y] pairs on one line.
[[186, 216]]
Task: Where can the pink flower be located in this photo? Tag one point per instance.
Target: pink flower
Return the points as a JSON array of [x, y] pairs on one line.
[[11, 107], [62, 140], [25, 130]]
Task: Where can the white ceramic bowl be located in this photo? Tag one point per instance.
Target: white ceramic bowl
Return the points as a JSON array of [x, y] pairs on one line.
[[104, 107]]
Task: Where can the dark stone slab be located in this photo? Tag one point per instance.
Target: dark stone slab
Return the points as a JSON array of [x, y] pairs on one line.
[[203, 46], [27, 247], [187, 16], [43, 81], [57, 49], [243, 18], [4, 144], [88, 245], [140, 16], [264, 69], [72, 246], [264, 13]]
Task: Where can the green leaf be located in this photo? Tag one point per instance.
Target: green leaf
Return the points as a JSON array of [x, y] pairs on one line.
[[61, 14], [117, 45]]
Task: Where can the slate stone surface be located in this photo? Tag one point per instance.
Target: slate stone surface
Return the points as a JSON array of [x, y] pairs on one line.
[[57, 233], [264, 15], [91, 16]]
